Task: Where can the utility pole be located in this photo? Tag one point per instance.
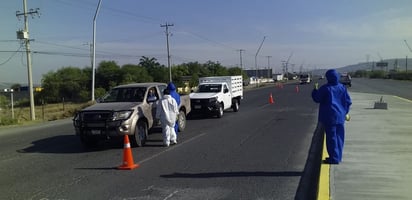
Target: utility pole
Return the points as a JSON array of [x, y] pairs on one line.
[[94, 49], [241, 65], [406, 64], [24, 35], [167, 44], [268, 65], [406, 67]]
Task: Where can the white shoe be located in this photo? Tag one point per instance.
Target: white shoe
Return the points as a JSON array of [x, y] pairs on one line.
[[165, 145], [173, 142]]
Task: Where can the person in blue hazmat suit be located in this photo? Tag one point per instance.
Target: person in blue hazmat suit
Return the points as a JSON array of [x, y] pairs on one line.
[[172, 88], [334, 103], [167, 111]]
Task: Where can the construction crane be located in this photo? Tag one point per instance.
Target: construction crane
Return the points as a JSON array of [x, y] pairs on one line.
[[286, 63], [379, 55], [408, 46], [381, 64]]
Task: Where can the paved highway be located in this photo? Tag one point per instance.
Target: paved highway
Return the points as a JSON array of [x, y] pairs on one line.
[[381, 86], [264, 151]]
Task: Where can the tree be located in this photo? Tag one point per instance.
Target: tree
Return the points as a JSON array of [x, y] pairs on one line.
[[4, 101], [16, 87], [215, 69], [51, 87], [67, 83], [135, 74], [193, 70], [235, 71], [157, 71], [108, 75], [178, 72]]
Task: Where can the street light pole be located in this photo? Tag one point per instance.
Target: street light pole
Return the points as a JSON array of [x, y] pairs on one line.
[[94, 49], [12, 101], [256, 68], [268, 66]]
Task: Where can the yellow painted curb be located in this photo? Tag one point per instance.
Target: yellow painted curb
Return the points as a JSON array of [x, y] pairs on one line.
[[324, 179]]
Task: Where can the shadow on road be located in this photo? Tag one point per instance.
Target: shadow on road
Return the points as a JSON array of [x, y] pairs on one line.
[[66, 144], [309, 183]]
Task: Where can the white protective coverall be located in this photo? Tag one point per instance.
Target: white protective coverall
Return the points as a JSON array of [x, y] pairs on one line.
[[167, 111]]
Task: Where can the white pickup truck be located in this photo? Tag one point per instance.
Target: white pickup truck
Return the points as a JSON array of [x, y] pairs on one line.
[[216, 94]]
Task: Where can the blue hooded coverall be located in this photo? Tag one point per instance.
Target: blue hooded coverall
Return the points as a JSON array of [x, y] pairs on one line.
[[334, 103], [172, 88]]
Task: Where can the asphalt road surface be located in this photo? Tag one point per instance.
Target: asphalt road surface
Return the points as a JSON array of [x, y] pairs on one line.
[[383, 86], [264, 151]]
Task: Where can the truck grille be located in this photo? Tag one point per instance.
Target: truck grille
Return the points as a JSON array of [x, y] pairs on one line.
[[201, 102], [96, 116], [203, 105]]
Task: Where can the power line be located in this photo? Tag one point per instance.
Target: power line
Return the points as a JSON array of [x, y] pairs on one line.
[[209, 40], [14, 53], [90, 5]]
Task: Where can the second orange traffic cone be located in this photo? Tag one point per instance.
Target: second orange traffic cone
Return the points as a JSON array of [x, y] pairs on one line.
[[271, 101], [128, 162]]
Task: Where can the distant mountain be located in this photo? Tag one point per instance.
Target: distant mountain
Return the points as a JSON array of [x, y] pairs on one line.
[[398, 64]]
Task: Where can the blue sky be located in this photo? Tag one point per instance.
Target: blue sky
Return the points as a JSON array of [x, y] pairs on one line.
[[319, 33]]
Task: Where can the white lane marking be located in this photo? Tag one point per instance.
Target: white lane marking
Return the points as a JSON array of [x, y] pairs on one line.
[[170, 195]]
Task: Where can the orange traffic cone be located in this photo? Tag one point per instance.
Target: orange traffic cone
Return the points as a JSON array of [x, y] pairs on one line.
[[127, 156], [271, 101]]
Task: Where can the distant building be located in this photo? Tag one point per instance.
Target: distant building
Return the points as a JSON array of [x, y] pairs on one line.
[[260, 73]]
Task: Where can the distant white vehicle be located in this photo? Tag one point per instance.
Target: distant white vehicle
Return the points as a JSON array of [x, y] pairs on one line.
[[216, 94], [278, 77], [305, 79]]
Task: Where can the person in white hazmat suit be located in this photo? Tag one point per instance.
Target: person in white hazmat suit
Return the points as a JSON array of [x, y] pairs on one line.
[[167, 111]]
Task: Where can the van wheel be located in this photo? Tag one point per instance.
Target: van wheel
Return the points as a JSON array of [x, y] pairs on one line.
[[220, 111], [181, 121], [140, 134], [235, 105]]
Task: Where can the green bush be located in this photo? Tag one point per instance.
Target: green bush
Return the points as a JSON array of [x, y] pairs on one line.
[[402, 76], [7, 121], [377, 74]]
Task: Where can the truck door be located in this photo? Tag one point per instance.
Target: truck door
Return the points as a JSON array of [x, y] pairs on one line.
[[153, 105], [227, 97], [159, 94]]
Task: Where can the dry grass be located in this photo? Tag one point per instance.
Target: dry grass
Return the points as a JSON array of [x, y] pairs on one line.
[[49, 112]]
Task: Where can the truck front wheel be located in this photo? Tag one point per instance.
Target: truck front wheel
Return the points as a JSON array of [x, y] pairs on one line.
[[220, 111], [140, 134]]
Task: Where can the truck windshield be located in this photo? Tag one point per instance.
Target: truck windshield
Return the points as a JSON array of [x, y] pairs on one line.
[[135, 94], [204, 88]]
